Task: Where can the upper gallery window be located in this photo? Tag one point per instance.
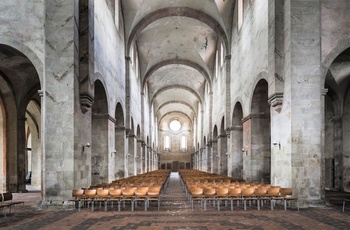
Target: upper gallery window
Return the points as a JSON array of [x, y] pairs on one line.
[[167, 143], [240, 14], [183, 144], [116, 17]]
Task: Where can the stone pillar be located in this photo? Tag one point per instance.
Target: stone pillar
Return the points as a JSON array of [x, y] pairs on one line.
[[215, 158], [205, 159], [223, 154], [210, 157], [111, 150], [306, 86], [120, 152], [21, 158], [147, 159], [247, 171], [131, 157], [143, 156], [238, 152], [229, 152], [59, 99], [138, 159]]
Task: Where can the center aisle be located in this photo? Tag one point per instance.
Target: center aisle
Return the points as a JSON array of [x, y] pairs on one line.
[[174, 197]]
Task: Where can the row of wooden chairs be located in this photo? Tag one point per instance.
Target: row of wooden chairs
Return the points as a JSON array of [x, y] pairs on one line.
[[203, 187], [117, 195], [259, 195], [127, 190]]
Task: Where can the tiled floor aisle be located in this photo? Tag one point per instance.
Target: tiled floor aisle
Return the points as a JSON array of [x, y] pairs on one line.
[[174, 213]]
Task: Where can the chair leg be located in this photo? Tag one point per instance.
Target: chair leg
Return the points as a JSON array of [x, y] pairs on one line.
[[272, 201]]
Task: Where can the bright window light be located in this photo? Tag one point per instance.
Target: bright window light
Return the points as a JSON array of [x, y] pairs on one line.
[[175, 125]]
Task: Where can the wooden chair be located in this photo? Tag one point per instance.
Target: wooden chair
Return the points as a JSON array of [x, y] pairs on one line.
[[273, 193], [102, 195], [115, 195], [221, 195], [196, 193], [153, 194], [141, 195], [90, 196], [261, 195], [208, 195], [128, 195], [78, 196], [235, 195], [248, 195], [287, 195]]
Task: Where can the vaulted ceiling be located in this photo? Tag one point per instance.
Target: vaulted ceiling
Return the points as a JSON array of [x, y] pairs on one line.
[[176, 42]]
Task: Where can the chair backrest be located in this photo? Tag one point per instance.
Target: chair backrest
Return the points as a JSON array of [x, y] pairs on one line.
[[90, 193], [273, 191], [286, 191], [102, 193], [128, 191], [141, 192], [196, 191], [248, 191], [77, 193], [261, 191], [116, 192], [222, 191], [209, 192], [235, 192]]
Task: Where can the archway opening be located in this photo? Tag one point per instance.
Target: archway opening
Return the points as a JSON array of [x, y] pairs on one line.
[[119, 143], [238, 151], [99, 145], [260, 161]]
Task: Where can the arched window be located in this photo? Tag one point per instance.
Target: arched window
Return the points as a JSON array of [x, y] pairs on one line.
[[221, 55], [116, 17], [167, 143], [183, 144], [240, 14], [217, 64]]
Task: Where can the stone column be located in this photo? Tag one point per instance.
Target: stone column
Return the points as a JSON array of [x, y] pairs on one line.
[[210, 157], [247, 171], [59, 99], [215, 158], [205, 159], [131, 156], [237, 152], [111, 150], [303, 70], [138, 159], [120, 152]]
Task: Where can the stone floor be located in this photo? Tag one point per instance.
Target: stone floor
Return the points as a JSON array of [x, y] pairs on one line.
[[175, 214]]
